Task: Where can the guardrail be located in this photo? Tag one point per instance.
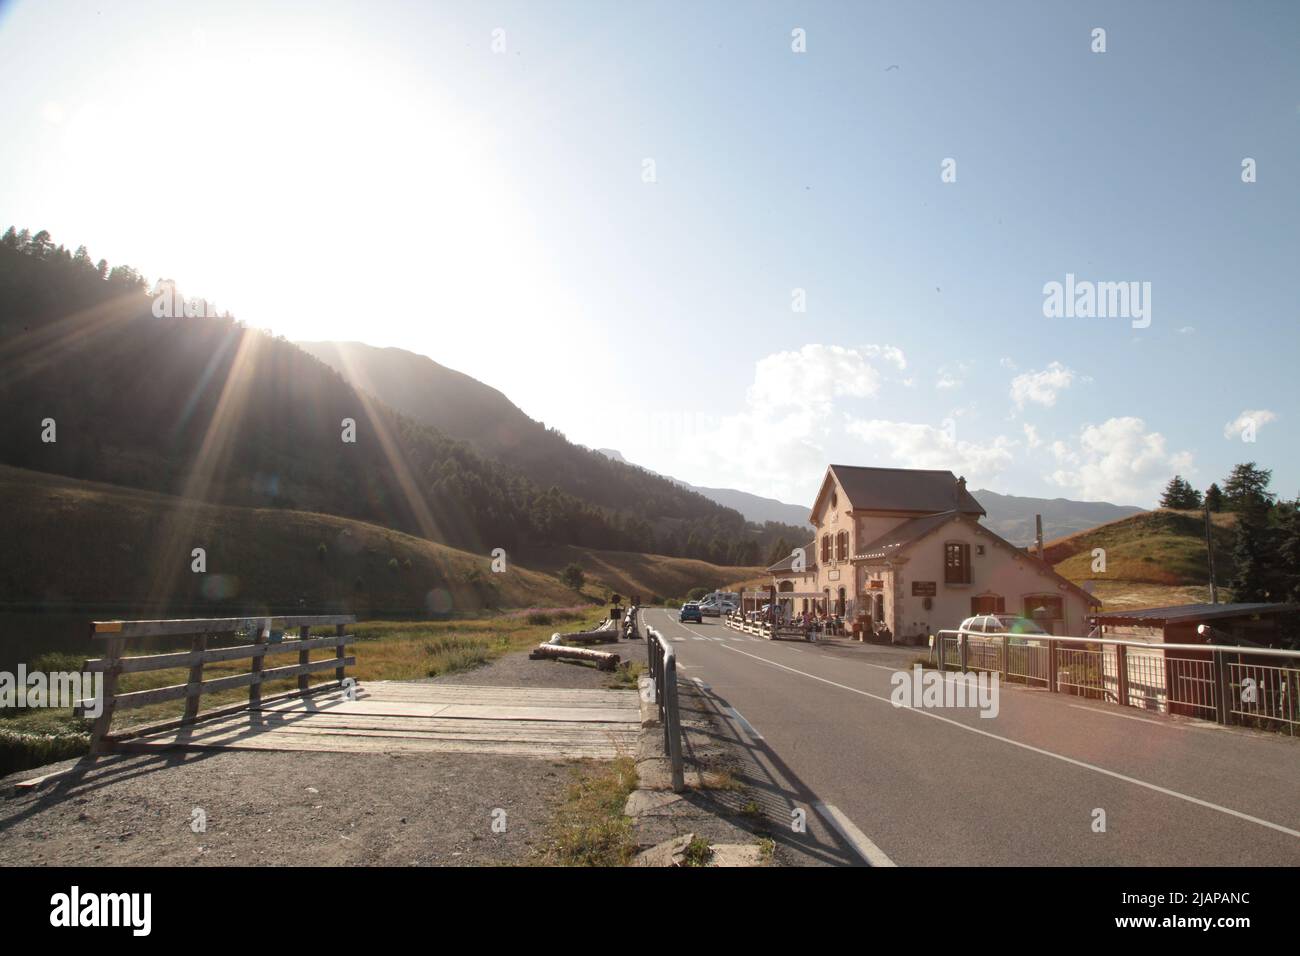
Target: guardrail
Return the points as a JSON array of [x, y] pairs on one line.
[[113, 664], [629, 625], [663, 670], [1210, 681], [765, 629]]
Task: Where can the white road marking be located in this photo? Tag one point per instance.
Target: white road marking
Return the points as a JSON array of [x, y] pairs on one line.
[[740, 718], [702, 637], [1147, 720], [700, 684], [853, 836], [1039, 750]]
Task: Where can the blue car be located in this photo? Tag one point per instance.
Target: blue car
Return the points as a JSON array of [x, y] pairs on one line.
[[691, 612]]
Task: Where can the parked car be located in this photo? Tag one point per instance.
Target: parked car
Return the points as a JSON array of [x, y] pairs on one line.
[[711, 610], [1002, 624], [691, 612]]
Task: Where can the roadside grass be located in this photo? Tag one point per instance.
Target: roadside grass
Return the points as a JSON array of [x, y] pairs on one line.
[[589, 828], [626, 675], [698, 852], [385, 650]]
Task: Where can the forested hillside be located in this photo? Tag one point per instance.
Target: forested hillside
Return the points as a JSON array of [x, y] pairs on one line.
[[98, 387]]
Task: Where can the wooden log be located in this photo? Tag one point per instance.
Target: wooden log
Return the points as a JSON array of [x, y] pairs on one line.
[[604, 660], [586, 637]]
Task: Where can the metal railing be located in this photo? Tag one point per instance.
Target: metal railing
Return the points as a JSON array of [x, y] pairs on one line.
[[629, 624], [663, 671], [1225, 683]]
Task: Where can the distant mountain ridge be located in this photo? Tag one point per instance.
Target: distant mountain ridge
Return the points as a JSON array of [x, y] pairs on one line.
[[755, 508], [1012, 516]]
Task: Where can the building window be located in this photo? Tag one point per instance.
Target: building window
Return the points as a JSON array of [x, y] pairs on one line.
[[842, 546], [1048, 607], [826, 548], [988, 604], [956, 564]]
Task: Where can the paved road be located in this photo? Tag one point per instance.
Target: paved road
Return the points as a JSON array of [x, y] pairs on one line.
[[885, 785]]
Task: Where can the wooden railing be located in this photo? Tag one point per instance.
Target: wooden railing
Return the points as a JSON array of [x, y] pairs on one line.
[[114, 663]]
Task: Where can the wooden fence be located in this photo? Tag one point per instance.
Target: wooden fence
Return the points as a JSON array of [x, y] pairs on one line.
[[114, 663]]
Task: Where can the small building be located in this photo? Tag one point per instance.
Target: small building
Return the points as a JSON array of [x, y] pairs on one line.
[[905, 547], [1261, 625]]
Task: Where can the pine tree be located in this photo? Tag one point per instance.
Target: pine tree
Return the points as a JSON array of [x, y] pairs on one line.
[[1254, 556], [780, 551], [1247, 486], [1288, 552], [1180, 495], [1214, 498]]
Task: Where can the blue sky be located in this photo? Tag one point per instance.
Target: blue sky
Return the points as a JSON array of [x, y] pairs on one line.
[[380, 172]]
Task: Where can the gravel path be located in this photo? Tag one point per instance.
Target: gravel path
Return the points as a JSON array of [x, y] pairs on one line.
[[268, 808]]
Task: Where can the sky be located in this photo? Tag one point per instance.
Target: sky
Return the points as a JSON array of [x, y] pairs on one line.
[[735, 242]]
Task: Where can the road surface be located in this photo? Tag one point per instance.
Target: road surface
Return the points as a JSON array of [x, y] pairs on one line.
[[885, 785]]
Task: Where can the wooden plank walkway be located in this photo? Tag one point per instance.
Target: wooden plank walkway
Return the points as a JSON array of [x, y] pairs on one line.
[[393, 717]]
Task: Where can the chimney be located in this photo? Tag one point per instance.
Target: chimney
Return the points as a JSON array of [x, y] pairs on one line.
[[1038, 534], [957, 496]]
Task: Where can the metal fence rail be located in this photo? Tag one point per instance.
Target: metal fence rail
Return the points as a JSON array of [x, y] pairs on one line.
[[663, 670], [1210, 681]]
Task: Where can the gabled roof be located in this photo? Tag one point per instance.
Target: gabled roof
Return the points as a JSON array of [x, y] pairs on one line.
[[901, 489], [898, 540], [787, 563]]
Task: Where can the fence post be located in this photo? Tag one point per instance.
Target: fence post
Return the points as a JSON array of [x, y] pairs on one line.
[[259, 657], [1051, 666], [304, 657], [1220, 687], [940, 639], [1006, 654], [112, 667], [1121, 670], [340, 652], [963, 654], [198, 645]]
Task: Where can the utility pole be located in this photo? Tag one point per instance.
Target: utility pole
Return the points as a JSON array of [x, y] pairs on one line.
[[1209, 547]]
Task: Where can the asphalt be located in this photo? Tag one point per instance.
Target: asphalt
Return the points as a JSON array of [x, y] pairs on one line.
[[880, 784]]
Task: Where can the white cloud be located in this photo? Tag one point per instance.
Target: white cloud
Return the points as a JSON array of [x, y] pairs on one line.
[[1031, 436], [1254, 419], [813, 377], [1042, 387], [788, 419], [1119, 461], [913, 445], [1186, 330]]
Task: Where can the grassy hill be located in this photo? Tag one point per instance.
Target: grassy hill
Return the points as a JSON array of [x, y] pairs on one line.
[[1152, 558], [86, 544], [1012, 516], [646, 575]]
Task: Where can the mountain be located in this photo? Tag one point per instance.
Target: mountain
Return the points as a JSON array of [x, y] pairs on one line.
[[755, 508], [1012, 516], [97, 387], [683, 521]]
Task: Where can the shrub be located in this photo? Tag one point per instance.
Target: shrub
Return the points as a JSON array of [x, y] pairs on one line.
[[573, 577]]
